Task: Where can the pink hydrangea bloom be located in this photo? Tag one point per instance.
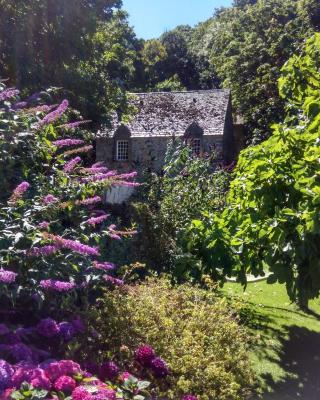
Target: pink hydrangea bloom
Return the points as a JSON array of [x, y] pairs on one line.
[[65, 384], [144, 355], [80, 393]]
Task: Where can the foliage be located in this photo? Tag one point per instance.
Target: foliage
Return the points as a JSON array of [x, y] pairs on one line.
[[189, 186], [48, 234], [248, 46], [84, 46], [172, 84], [272, 216], [191, 328], [153, 56]]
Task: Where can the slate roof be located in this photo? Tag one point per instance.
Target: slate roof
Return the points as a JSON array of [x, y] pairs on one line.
[[170, 113]]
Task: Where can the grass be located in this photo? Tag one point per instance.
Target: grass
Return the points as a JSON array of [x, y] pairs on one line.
[[286, 354]]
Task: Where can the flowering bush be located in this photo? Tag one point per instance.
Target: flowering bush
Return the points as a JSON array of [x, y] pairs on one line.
[[66, 379], [204, 347], [53, 228]]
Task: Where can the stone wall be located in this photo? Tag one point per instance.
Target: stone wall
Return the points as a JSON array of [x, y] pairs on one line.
[[146, 151]]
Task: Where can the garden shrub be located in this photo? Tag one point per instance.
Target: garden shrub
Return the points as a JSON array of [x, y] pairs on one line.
[[53, 226], [189, 186], [192, 329]]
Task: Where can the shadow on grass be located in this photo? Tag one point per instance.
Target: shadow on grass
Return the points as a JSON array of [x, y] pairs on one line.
[[297, 354], [300, 357]]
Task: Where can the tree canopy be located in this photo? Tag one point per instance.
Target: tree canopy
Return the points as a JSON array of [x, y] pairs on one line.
[[271, 222]]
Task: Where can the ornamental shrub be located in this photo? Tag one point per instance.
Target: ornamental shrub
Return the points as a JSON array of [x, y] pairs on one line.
[[272, 215], [189, 186], [53, 223], [194, 330]]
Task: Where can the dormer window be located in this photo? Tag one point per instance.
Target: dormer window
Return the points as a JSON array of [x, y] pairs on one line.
[[122, 150], [196, 147]]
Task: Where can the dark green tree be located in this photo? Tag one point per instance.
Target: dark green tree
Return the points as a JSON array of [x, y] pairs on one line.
[[59, 43]]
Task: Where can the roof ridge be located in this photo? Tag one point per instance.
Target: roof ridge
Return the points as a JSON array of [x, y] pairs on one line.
[[183, 91]]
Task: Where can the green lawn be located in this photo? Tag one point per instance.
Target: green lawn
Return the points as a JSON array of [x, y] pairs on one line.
[[286, 355]]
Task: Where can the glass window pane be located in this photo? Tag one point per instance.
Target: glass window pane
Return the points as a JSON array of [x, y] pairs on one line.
[[122, 150]]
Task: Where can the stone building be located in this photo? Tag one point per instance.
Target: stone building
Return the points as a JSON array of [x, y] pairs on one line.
[[201, 118]]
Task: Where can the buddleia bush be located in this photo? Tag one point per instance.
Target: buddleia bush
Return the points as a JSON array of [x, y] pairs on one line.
[[192, 329], [52, 223]]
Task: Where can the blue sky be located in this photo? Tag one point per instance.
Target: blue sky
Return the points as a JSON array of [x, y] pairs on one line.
[[150, 18]]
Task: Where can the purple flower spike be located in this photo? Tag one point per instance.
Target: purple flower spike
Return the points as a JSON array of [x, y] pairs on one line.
[[7, 276], [43, 251], [75, 246], [90, 201], [189, 397], [67, 142], [69, 166], [106, 266], [97, 220], [73, 125], [54, 115], [113, 281], [49, 199], [19, 192], [57, 286]]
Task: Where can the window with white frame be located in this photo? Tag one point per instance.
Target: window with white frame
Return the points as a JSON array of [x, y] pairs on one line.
[[122, 150], [196, 147]]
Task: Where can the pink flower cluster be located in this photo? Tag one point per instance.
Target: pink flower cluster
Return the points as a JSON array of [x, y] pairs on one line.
[[65, 376], [74, 245], [146, 356], [19, 192], [49, 199], [67, 142], [69, 166], [7, 276], [97, 220], [73, 125], [89, 201], [57, 286], [8, 94]]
